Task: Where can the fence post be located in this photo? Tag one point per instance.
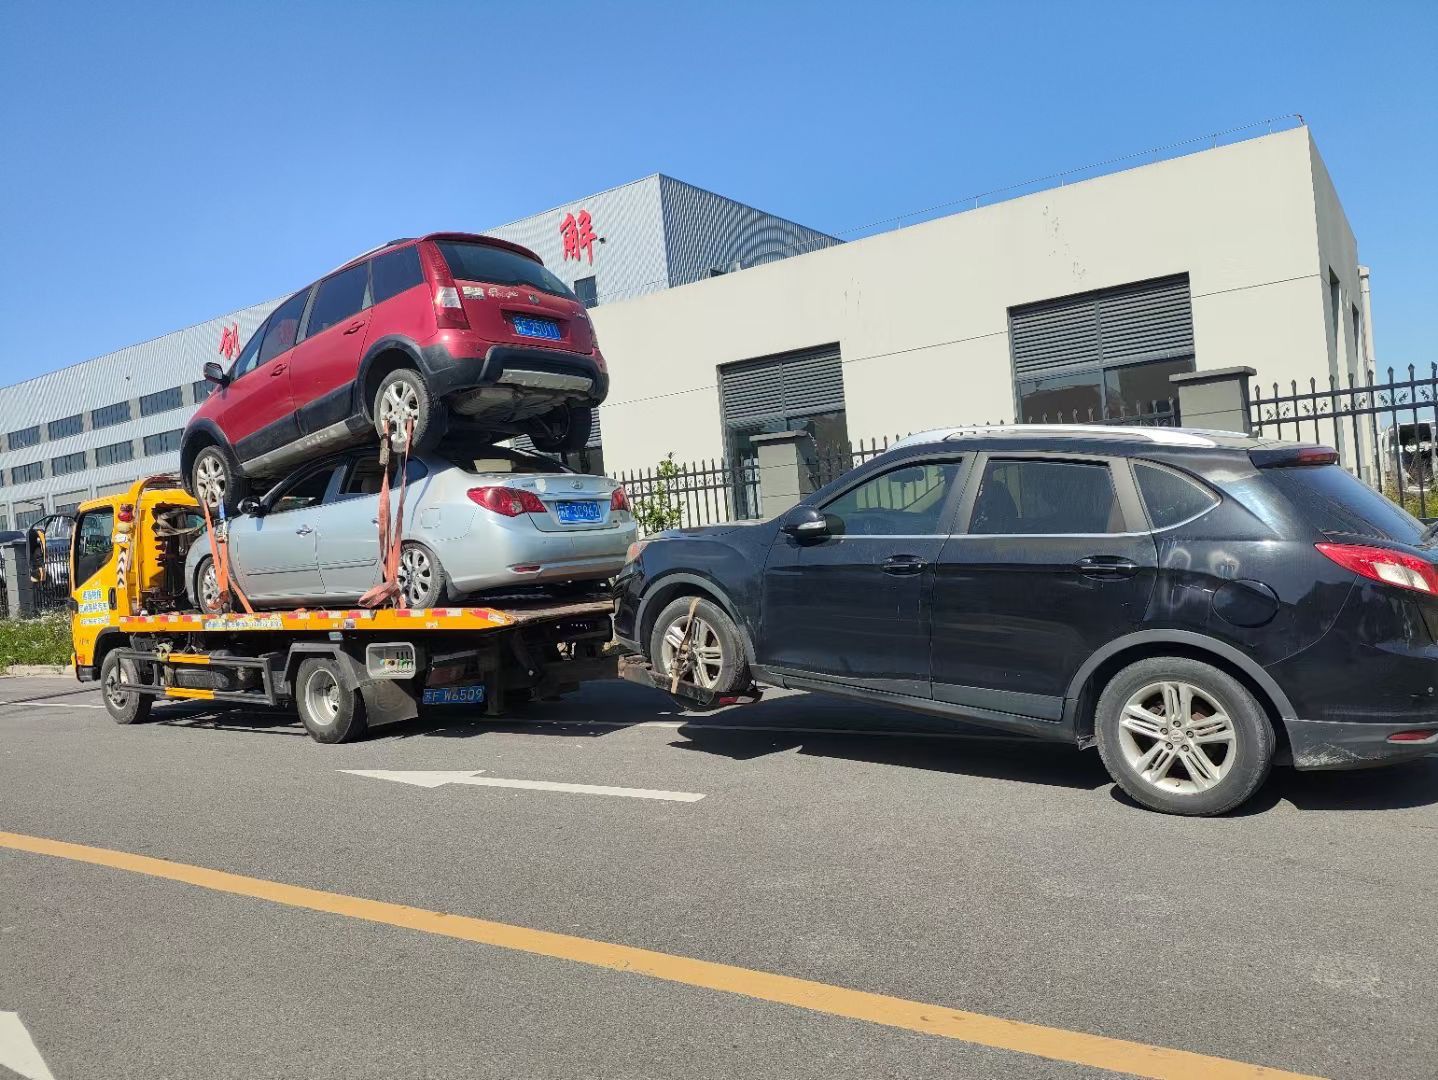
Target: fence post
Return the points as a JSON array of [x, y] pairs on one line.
[[786, 469], [1216, 399], [15, 564]]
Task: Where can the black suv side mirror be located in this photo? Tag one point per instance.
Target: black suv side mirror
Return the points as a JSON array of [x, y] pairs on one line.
[[253, 507], [216, 374], [804, 523]]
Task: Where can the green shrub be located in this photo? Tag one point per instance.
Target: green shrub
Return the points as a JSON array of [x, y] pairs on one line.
[[660, 509], [45, 640]]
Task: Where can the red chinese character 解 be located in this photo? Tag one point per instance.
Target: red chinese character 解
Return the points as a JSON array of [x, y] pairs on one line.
[[230, 341], [578, 234]]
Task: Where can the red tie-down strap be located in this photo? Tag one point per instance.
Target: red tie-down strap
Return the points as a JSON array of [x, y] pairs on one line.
[[391, 533], [220, 549]]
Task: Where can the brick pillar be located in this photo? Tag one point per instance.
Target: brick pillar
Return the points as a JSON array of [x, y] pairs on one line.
[[1216, 399]]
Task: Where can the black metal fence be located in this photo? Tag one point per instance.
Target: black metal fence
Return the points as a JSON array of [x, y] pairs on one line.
[[1161, 412], [672, 494], [1385, 432]]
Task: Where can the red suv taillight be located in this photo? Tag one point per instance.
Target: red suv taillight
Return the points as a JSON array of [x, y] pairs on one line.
[[1389, 567], [448, 305], [511, 502], [619, 500]]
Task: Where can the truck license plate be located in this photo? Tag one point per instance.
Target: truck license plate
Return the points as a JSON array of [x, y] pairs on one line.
[[454, 695]]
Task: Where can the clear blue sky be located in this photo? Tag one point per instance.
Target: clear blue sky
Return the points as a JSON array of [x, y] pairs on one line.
[[161, 164]]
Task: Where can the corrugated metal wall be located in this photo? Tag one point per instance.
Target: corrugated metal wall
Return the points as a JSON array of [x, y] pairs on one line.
[[707, 232]]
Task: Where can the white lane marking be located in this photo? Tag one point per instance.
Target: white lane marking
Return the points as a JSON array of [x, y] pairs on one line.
[[52, 704], [472, 777], [672, 725], [18, 1051]]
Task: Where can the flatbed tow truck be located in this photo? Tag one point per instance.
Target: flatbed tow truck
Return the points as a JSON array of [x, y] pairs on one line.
[[345, 671]]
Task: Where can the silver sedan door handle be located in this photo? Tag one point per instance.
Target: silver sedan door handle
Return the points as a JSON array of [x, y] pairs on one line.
[[303, 530]]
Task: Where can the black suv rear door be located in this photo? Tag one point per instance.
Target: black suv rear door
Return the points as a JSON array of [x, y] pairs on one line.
[[1051, 558]]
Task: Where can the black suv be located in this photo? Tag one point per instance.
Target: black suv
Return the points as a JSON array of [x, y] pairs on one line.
[[1196, 604]]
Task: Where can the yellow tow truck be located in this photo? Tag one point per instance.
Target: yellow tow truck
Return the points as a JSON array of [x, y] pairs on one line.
[[344, 671]]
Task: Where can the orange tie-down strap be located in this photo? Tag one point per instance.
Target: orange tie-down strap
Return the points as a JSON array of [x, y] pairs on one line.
[[220, 549], [391, 532]]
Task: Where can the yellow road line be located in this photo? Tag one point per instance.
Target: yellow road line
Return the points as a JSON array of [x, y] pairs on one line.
[[1057, 1044]]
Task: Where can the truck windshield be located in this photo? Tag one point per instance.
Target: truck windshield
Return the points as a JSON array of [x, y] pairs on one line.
[[498, 266], [1335, 502]]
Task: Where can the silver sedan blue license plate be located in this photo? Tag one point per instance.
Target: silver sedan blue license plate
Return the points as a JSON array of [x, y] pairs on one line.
[[575, 513], [454, 695]]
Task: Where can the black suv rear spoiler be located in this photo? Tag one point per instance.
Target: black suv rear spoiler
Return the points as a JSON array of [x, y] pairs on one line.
[[1270, 457]]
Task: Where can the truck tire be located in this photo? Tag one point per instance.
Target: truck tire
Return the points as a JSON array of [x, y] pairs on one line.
[[1182, 737], [717, 661], [215, 479], [124, 706], [566, 431], [330, 713], [404, 395]]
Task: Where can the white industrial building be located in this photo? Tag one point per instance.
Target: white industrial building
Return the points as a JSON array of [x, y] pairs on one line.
[[720, 321]]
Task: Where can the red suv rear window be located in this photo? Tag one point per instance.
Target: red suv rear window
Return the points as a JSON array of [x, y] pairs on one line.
[[498, 266]]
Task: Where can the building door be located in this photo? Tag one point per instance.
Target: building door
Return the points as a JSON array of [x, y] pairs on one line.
[[1103, 356], [800, 391]]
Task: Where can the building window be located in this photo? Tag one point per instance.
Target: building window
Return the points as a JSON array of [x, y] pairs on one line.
[[68, 463], [25, 518], [71, 425], [114, 453], [18, 440], [163, 443], [586, 291], [110, 415], [161, 401], [1102, 356], [71, 503], [201, 389], [24, 474]]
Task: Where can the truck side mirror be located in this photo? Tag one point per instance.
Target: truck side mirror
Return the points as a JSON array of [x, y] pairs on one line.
[[804, 523], [216, 374]]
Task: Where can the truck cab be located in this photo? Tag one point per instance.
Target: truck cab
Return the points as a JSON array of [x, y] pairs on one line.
[[127, 557]]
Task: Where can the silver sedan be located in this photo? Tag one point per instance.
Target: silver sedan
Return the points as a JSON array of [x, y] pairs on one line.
[[480, 520]]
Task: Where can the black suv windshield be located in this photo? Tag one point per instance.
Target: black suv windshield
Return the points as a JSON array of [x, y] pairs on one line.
[[498, 266], [1335, 502]]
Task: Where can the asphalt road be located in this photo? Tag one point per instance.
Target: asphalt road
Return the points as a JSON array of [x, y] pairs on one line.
[[991, 875]]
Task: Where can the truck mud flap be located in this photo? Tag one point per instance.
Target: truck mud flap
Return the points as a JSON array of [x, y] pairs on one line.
[[686, 695]]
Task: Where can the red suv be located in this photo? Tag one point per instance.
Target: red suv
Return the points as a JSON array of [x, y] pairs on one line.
[[448, 329]]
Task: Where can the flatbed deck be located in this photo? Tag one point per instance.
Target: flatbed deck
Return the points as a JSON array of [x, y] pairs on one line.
[[396, 620]]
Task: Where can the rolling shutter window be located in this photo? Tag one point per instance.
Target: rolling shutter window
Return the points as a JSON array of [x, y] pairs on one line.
[[1150, 320], [782, 386]]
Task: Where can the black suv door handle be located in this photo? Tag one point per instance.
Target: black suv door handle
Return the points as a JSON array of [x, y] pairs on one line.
[[904, 565], [1106, 566]]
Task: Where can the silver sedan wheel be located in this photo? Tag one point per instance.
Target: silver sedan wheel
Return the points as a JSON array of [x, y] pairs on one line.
[[416, 576], [1177, 737], [322, 697], [398, 404], [211, 600], [210, 481], [706, 655]]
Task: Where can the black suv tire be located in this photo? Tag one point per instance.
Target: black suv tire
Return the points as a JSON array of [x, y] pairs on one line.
[[731, 674], [1168, 715], [564, 431]]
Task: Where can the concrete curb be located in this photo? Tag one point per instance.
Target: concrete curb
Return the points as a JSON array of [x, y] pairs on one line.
[[17, 671]]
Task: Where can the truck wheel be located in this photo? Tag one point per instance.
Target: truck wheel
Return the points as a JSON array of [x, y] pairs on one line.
[[403, 396], [208, 598], [716, 659], [331, 714], [565, 431], [124, 706], [1182, 737], [215, 479]]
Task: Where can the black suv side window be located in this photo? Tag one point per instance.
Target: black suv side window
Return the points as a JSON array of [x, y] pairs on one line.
[[1031, 497], [395, 272], [283, 328], [1170, 498], [907, 501], [339, 297]]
